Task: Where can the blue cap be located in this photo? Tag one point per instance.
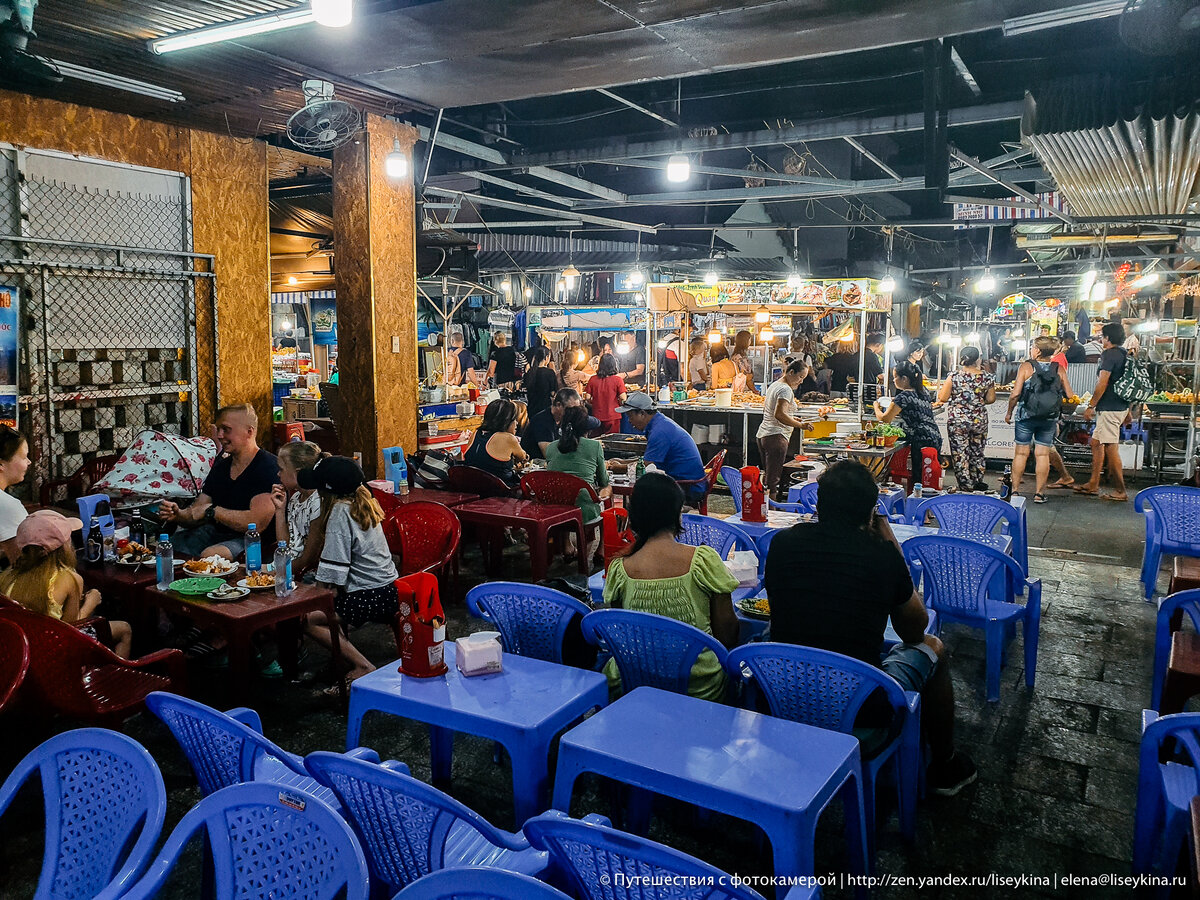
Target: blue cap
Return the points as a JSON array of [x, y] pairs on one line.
[[163, 537], [252, 527]]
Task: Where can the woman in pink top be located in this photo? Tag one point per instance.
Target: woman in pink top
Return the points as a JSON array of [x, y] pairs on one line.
[[606, 390]]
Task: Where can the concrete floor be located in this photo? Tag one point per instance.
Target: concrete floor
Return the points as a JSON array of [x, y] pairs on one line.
[[1057, 766]]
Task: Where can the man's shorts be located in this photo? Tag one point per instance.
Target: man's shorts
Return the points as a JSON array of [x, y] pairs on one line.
[[1035, 431], [194, 541], [1108, 426]]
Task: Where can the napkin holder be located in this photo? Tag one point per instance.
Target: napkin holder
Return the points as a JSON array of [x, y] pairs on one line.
[[479, 654]]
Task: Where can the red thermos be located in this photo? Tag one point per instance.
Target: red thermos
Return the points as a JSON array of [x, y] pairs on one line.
[[420, 626], [754, 496]]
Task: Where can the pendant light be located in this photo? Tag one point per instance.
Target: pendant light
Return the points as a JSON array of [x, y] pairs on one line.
[[637, 277], [570, 273], [762, 315], [332, 13], [711, 277], [395, 164], [888, 284], [986, 282], [794, 281], [766, 335], [679, 169]]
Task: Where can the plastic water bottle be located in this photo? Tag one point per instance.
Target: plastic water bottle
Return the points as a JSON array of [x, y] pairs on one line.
[[918, 490], [164, 562], [283, 570], [253, 550]]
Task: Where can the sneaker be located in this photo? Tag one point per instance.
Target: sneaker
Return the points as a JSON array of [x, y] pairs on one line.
[[270, 670], [948, 778]]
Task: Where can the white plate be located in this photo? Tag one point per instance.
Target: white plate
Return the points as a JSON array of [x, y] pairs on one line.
[[265, 587], [147, 562], [233, 567], [227, 598]]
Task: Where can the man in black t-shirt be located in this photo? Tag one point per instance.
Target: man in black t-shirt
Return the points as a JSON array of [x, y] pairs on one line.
[[844, 366], [833, 584], [236, 492], [503, 363], [546, 427]]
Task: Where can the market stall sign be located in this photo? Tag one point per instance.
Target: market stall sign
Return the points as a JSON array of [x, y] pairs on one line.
[[828, 293], [323, 307], [10, 303]]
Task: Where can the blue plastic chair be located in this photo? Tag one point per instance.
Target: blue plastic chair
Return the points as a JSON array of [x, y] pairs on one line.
[[532, 620], [591, 854], [1171, 610], [409, 829], [969, 515], [961, 580], [265, 841], [733, 480], [1172, 526], [477, 883], [656, 651], [228, 748], [825, 689], [105, 803], [722, 536], [807, 502], [87, 508], [1162, 821]]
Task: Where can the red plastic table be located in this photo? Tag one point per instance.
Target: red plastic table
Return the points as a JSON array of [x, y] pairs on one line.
[[446, 498], [240, 619], [536, 519]]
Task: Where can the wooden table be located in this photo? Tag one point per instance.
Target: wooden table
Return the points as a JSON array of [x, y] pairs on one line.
[[240, 619], [535, 519], [1182, 680]]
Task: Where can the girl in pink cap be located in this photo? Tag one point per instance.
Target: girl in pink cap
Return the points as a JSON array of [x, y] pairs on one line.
[[43, 577]]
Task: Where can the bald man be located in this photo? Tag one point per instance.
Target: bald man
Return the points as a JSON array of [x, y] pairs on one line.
[[236, 492]]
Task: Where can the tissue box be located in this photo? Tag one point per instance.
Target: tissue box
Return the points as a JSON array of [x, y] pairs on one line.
[[385, 487], [478, 656]]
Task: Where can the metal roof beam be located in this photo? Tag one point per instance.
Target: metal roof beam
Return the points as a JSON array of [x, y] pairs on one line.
[[496, 226], [463, 146], [963, 72], [873, 158], [998, 178], [576, 184], [824, 130], [731, 173], [522, 189], [623, 101], [478, 200]]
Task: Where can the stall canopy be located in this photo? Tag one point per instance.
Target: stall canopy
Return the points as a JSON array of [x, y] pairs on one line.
[[589, 318], [810, 296]]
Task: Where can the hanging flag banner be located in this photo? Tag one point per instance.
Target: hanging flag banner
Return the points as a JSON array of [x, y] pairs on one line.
[[1012, 208], [9, 332], [323, 306]]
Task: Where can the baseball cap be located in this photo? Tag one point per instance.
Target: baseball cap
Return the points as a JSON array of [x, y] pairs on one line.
[[639, 401], [335, 474], [47, 529]]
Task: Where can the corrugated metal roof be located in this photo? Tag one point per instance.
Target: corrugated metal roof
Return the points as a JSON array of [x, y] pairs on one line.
[[511, 252]]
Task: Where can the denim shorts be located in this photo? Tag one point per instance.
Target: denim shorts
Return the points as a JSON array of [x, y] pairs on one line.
[[1035, 431], [910, 664]]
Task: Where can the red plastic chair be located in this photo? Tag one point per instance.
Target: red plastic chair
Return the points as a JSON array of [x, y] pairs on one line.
[[712, 472], [78, 677], [560, 489], [80, 482], [470, 480], [424, 535], [14, 662], [617, 536], [387, 502]]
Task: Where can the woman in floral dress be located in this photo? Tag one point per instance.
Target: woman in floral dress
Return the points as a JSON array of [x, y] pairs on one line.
[[966, 395]]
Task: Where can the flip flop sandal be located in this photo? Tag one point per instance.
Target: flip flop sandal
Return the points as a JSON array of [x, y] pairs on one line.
[[1114, 498], [1058, 485], [1039, 498], [334, 691], [1085, 491]]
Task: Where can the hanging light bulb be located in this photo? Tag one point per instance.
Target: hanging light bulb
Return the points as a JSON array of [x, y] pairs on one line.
[[580, 356], [292, 279], [679, 168], [766, 334], [395, 165], [1099, 292], [636, 278], [285, 324], [794, 281], [711, 277], [714, 335], [506, 286], [562, 285], [528, 292], [888, 284], [570, 273], [762, 315], [332, 13], [623, 348], [986, 283]]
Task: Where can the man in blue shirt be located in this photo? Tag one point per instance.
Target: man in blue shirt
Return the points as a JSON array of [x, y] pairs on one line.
[[668, 446]]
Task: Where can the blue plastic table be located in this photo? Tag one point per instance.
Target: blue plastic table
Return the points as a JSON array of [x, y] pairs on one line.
[[522, 708], [891, 499], [775, 773]]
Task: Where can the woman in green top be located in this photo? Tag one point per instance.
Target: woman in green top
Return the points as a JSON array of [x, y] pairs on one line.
[[579, 455], [660, 575]]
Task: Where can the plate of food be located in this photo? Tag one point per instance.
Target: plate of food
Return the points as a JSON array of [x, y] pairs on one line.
[[195, 585], [755, 607], [210, 565], [228, 592], [134, 554], [260, 581]]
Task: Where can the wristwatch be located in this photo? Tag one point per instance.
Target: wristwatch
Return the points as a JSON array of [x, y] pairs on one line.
[[210, 514]]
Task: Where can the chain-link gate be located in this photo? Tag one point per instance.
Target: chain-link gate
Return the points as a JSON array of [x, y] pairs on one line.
[[115, 310]]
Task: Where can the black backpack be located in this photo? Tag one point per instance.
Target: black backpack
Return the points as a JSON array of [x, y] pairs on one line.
[[1043, 393]]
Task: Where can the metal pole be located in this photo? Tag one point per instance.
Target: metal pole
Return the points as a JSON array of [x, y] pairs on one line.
[[862, 359], [1189, 464]]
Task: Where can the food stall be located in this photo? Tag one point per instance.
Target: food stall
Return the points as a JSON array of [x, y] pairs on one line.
[[560, 325], [844, 303]]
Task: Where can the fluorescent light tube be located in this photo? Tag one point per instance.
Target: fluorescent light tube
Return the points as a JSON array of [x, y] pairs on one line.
[[120, 82], [228, 31], [1083, 12]]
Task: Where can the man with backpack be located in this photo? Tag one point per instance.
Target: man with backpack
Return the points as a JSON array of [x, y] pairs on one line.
[[1037, 395], [1122, 381]]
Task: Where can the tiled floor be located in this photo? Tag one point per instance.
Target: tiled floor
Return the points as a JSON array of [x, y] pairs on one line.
[[1057, 766]]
